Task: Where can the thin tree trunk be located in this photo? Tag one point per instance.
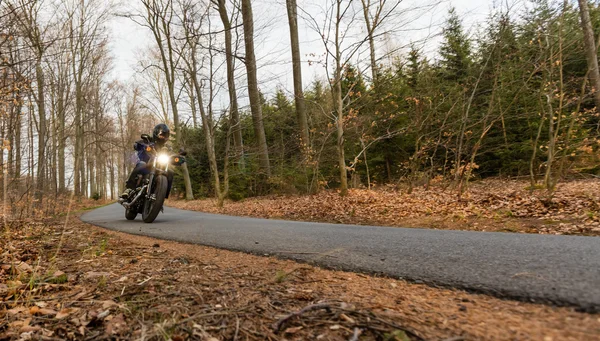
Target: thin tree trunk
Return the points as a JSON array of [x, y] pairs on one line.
[[297, 71], [61, 138], [590, 50], [159, 22], [371, 39], [41, 104], [253, 92], [190, 89], [209, 140], [339, 105], [362, 143], [54, 146], [233, 104]]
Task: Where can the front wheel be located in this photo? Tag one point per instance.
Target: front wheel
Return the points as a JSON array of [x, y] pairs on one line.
[[154, 204]]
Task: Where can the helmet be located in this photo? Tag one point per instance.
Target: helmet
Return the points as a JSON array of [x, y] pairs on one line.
[[160, 134]]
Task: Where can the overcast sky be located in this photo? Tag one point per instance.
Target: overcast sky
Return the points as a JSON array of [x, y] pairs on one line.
[[130, 41]]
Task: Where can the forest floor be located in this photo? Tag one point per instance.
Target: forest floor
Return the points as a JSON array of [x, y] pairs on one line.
[[488, 205], [70, 280]]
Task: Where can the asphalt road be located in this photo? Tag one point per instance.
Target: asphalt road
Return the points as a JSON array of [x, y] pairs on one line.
[[562, 270]]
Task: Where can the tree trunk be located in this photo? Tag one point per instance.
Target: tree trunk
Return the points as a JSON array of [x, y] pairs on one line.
[[190, 89], [54, 145], [209, 139], [370, 30], [297, 70], [61, 138], [339, 105], [113, 179], [233, 104], [160, 26], [41, 104], [590, 51], [255, 105]]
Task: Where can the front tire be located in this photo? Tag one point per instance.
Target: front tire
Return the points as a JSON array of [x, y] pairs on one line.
[[153, 207]]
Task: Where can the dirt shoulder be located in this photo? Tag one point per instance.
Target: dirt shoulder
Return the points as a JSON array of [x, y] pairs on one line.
[[490, 205], [105, 284]]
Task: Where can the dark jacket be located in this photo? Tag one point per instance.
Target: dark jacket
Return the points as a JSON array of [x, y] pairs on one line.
[[140, 148]]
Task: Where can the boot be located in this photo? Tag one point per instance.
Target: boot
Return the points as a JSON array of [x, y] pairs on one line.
[[127, 193]]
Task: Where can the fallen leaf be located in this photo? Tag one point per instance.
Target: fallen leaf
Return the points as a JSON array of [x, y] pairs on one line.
[[122, 279], [45, 311], [24, 267], [30, 329], [65, 312], [17, 310], [116, 325], [108, 304], [26, 328], [16, 324], [57, 273]]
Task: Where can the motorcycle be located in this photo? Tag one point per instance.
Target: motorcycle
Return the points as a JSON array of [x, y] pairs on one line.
[[151, 189]]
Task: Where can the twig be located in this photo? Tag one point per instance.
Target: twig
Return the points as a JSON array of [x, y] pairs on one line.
[[356, 334], [407, 330], [455, 338], [144, 281], [237, 328], [62, 232], [277, 326]]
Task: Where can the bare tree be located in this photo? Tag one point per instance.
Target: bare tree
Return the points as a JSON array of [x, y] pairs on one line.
[[591, 52], [297, 70], [255, 105], [27, 15], [192, 21], [229, 59], [158, 18]]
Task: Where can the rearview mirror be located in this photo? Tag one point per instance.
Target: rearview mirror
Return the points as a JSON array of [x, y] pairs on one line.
[[145, 137], [182, 152]]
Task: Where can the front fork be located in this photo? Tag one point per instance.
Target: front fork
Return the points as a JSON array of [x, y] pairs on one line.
[[150, 182], [149, 194]]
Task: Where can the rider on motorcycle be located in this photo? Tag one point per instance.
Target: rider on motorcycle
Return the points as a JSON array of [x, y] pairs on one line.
[[160, 136]]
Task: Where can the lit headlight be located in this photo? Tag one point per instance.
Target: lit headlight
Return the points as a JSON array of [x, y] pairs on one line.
[[164, 159]]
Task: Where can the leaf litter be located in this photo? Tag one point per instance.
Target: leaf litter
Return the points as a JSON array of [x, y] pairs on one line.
[[493, 205], [120, 286]]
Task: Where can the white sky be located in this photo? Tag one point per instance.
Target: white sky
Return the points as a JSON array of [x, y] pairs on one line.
[[272, 50]]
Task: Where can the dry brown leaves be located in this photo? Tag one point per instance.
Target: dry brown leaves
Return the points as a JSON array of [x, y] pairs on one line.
[[490, 205], [109, 285], [110, 289]]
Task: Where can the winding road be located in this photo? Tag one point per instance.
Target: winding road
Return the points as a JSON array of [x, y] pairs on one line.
[[561, 270]]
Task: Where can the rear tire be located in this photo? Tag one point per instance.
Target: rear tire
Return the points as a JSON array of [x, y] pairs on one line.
[[130, 214], [152, 208]]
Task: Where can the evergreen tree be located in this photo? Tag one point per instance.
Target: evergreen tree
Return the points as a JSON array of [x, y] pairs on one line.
[[414, 66], [455, 51]]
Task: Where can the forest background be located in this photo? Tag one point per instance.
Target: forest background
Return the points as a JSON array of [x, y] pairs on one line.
[[512, 97]]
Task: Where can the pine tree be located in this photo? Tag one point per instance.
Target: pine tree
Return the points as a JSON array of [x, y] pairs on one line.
[[455, 51], [414, 67]]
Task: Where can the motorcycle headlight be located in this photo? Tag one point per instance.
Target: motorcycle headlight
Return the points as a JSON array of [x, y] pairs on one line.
[[164, 159]]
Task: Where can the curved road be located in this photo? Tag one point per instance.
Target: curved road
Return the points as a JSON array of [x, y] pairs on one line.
[[563, 270]]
